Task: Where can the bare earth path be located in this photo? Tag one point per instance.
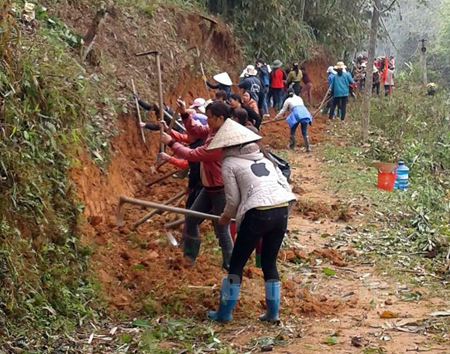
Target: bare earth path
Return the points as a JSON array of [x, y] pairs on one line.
[[334, 300], [364, 295]]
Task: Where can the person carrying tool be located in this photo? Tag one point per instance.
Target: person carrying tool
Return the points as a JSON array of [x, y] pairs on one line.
[[258, 196], [329, 98], [376, 81], [199, 107], [294, 78], [389, 81], [194, 183], [276, 85], [154, 108], [298, 115], [250, 83], [221, 96], [240, 115], [340, 89], [236, 103], [223, 83], [212, 197]]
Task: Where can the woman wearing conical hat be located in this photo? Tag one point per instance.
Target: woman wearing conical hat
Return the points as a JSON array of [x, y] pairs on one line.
[[223, 83], [258, 196]]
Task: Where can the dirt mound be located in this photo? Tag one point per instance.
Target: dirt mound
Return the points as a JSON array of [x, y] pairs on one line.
[[292, 255], [333, 255], [316, 70], [316, 210], [301, 301]]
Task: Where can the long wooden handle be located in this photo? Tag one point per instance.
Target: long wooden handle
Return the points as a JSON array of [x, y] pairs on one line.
[[163, 177], [161, 100], [176, 123], [272, 121], [197, 63], [123, 200], [138, 111], [154, 212]]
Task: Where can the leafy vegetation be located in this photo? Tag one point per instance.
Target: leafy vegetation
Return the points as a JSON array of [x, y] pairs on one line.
[[415, 128], [288, 29], [43, 266]]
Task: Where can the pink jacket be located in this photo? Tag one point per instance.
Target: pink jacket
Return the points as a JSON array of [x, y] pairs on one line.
[[210, 161]]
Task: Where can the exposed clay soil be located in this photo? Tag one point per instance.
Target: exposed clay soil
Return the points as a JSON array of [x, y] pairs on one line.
[[139, 270]]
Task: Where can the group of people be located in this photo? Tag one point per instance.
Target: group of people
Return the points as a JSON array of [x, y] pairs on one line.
[[383, 73], [267, 84], [342, 83], [233, 177]]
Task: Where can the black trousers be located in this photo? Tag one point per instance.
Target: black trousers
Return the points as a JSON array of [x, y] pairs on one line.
[[376, 88], [341, 103], [270, 225]]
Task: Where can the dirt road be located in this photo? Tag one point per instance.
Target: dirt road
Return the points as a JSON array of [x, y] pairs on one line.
[[333, 298], [360, 309]]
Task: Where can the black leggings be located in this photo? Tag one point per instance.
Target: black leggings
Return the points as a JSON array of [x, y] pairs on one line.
[[341, 103], [270, 225]]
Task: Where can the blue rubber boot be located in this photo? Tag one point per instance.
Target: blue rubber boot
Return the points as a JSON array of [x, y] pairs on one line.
[[272, 302], [228, 297]]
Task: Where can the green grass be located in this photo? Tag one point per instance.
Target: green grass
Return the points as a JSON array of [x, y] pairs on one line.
[[401, 227]]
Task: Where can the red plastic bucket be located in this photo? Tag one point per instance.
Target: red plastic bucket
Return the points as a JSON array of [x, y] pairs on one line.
[[386, 180]]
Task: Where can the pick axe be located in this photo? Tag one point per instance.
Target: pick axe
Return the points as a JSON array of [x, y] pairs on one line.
[[160, 90], [197, 62], [125, 200]]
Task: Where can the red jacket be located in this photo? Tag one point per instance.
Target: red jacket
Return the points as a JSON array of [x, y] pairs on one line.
[[210, 161], [183, 138], [180, 163], [276, 78], [180, 137]]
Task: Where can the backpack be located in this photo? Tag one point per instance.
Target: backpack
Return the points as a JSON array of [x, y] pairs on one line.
[[283, 165]]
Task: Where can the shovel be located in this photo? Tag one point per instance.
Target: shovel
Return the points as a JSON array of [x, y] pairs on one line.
[[172, 240]]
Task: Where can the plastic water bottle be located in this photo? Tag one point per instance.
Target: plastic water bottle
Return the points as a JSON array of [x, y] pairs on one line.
[[401, 182]]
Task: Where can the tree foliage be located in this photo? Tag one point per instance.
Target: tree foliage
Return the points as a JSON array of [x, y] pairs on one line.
[[286, 29]]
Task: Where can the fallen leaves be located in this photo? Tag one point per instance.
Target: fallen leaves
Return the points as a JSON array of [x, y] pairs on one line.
[[329, 272], [331, 341], [388, 314], [440, 313]]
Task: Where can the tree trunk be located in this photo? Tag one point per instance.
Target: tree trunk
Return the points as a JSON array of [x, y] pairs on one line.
[[369, 70]]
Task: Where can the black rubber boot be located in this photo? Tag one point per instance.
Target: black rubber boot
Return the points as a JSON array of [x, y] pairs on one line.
[[308, 148]]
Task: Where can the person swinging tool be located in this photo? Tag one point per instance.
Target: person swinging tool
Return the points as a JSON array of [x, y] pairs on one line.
[[298, 115], [212, 197], [223, 83], [149, 107], [258, 195]]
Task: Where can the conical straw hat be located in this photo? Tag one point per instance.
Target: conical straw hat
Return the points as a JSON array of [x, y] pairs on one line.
[[232, 134], [223, 78]]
